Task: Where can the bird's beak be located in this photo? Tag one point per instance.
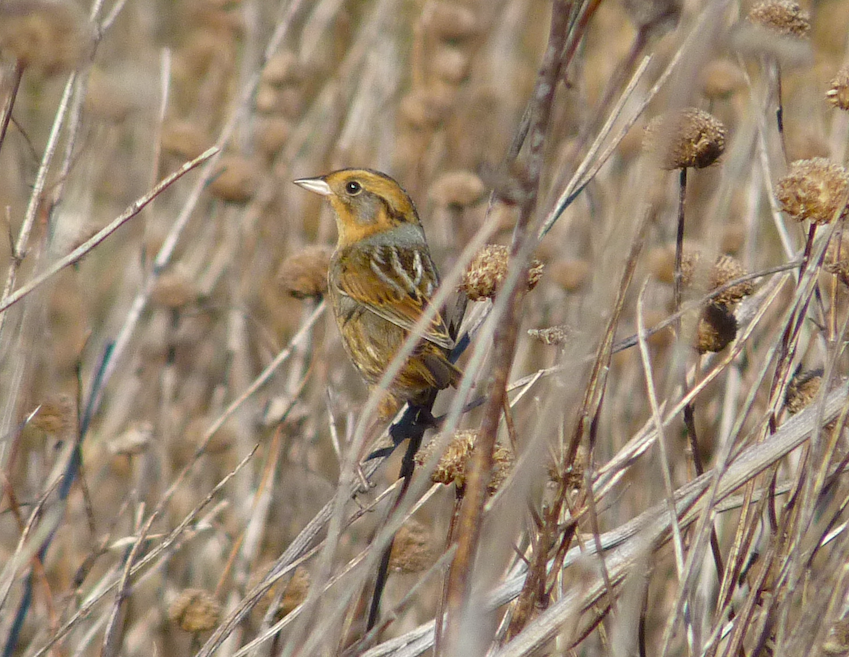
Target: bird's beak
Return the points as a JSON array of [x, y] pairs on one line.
[[317, 185]]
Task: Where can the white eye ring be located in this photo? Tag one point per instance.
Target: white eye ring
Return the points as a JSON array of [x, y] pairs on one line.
[[352, 187]]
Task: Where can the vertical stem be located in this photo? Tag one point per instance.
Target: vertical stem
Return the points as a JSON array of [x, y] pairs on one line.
[[6, 116]]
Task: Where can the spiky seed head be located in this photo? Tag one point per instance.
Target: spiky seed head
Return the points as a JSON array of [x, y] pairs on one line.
[[662, 263], [195, 610], [814, 190], [452, 465], [802, 390], [716, 330], [689, 138], [458, 189], [725, 270], [783, 16], [303, 274], [488, 269], [838, 90], [412, 549]]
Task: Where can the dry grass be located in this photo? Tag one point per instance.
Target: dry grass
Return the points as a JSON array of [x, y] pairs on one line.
[[182, 440]]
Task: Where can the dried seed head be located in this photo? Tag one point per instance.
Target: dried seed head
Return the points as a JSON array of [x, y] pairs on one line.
[[458, 189], [661, 263], [690, 138], [838, 91], [837, 640], [447, 21], [304, 274], [783, 16], [184, 139], [725, 270], [487, 270], [553, 335], [283, 68], [412, 549], [272, 132], [49, 36], [722, 78], [837, 258], [451, 467], [449, 64], [236, 179], [571, 275], [717, 329], [422, 109], [134, 441], [195, 610], [802, 390], [174, 289], [296, 591], [56, 415], [814, 190]]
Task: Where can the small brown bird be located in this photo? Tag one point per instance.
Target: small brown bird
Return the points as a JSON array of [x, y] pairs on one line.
[[380, 281]]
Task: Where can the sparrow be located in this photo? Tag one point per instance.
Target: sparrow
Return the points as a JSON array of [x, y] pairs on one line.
[[381, 279]]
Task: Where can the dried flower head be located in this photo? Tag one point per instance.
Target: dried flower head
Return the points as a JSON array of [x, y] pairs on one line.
[[272, 132], [716, 330], [304, 274], [487, 270], [195, 610], [802, 390], [661, 263], [184, 139], [783, 16], [283, 68], [50, 36], [721, 78], [296, 591], [837, 258], [422, 109], [457, 189], [838, 90], [134, 440], [56, 415], [236, 179], [448, 21], [689, 138], [571, 275], [726, 269], [451, 467], [174, 289], [815, 190], [553, 335], [412, 549], [449, 63]]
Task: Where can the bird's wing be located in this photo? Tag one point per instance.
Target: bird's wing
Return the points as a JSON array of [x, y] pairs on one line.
[[395, 284]]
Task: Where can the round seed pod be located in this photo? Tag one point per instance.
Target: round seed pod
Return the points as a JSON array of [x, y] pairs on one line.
[[838, 90], [272, 133], [450, 64], [802, 390], [421, 109], [50, 37], [283, 68], [413, 548], [236, 179], [184, 139], [447, 21], [783, 16], [571, 275], [457, 189], [721, 78], [487, 270], [661, 263], [194, 610], [304, 274], [134, 440], [689, 138], [726, 269], [174, 289], [814, 190], [716, 330]]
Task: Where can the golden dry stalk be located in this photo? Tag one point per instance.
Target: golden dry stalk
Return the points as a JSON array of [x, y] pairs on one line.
[[716, 330], [304, 274], [783, 16], [802, 390], [815, 190], [488, 269], [690, 138], [726, 269], [195, 610]]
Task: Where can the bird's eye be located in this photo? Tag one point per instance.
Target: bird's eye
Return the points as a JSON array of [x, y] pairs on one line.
[[353, 187]]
